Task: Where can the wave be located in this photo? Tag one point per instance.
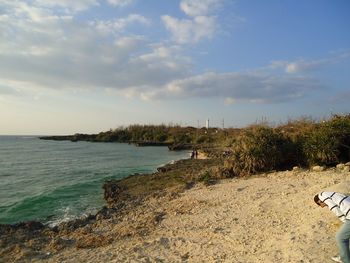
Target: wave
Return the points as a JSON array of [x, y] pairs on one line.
[[174, 161], [49, 180], [77, 198]]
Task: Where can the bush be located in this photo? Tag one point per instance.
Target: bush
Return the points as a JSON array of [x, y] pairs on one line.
[[203, 139], [329, 142], [206, 178], [258, 149]]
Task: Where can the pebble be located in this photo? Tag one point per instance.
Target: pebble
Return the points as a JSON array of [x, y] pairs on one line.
[[318, 168]]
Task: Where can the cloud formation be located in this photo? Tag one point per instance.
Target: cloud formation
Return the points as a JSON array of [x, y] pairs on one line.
[[120, 24], [54, 50], [43, 48], [199, 7], [190, 30], [120, 3], [201, 24], [68, 5], [304, 65], [235, 87]]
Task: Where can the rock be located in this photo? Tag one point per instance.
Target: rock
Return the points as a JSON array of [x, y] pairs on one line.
[[104, 213], [189, 185], [296, 168], [165, 242], [113, 192], [159, 217], [59, 243], [340, 166], [144, 143], [76, 223], [347, 164], [163, 169], [318, 168], [30, 226], [185, 257], [92, 241], [180, 147]]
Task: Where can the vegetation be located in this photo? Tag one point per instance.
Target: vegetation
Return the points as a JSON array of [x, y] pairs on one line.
[[180, 176], [329, 142], [153, 133], [257, 148], [298, 143]]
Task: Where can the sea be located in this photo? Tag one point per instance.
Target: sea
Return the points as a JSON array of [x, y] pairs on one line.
[[57, 181]]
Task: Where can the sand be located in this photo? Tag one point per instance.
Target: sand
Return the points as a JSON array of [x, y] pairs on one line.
[[266, 218]]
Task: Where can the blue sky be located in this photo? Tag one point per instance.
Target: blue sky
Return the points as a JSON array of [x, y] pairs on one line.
[[91, 65]]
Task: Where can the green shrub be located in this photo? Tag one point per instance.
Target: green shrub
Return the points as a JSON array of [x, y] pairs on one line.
[[258, 149], [206, 178], [329, 142], [203, 139]]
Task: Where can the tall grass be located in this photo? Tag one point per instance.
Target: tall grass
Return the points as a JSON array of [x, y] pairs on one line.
[[257, 149], [328, 142], [303, 142]]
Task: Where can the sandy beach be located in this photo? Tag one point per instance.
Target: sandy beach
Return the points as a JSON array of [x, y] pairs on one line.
[[264, 218]]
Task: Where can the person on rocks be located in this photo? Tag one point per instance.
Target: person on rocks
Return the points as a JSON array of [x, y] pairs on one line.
[[340, 205], [192, 154]]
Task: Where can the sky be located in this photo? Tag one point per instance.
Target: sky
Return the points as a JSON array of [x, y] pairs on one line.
[[87, 66]]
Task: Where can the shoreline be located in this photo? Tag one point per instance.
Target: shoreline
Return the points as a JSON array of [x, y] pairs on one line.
[[139, 143], [126, 200], [84, 214], [179, 214], [201, 223]]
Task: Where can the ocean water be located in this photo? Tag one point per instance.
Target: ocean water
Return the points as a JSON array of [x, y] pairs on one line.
[[55, 181]]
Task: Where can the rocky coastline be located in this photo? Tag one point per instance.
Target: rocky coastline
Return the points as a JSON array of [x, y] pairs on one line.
[[187, 212], [94, 138], [30, 240], [191, 221]]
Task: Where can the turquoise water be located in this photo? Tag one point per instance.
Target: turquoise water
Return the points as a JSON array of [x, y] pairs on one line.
[[54, 181]]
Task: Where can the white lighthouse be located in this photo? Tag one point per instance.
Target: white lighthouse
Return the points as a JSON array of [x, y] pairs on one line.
[[207, 124]]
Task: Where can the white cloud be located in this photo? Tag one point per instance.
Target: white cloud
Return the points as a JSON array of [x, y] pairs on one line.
[[167, 59], [68, 5], [120, 3], [304, 65], [26, 12], [30, 30], [128, 43], [118, 25], [236, 87], [199, 7], [40, 49], [190, 30], [18, 88], [202, 23]]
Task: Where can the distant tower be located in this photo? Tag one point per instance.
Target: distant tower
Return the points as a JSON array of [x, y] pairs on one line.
[[207, 124]]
